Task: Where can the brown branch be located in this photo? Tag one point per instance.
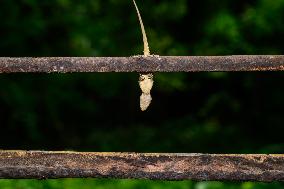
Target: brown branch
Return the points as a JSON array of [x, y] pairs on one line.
[[43, 165], [142, 64]]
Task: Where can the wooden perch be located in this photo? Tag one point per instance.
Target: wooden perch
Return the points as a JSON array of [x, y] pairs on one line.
[[143, 64], [200, 167]]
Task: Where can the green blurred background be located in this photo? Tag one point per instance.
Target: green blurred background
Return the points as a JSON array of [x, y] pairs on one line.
[[190, 112]]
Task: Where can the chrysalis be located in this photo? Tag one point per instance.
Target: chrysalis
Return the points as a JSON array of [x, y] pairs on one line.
[[146, 83], [145, 80]]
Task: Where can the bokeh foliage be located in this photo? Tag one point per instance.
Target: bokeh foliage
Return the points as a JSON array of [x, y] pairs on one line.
[[191, 112]]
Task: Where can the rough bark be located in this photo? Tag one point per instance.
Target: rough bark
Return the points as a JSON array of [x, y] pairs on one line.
[[143, 64], [200, 167]]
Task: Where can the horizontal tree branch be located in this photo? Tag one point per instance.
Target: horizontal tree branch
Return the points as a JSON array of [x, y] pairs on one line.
[[143, 64], [200, 167]]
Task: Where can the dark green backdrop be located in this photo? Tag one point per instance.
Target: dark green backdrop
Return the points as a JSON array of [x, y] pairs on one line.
[[191, 112]]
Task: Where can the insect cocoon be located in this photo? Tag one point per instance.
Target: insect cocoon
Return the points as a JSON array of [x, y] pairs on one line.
[[146, 83]]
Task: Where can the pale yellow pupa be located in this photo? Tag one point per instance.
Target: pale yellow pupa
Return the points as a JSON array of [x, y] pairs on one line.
[[146, 79]]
